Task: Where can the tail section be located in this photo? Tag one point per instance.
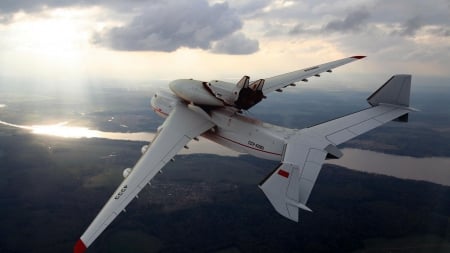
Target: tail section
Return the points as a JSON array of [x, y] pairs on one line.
[[289, 186], [395, 91]]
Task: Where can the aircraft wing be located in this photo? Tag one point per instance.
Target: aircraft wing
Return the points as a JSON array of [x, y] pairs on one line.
[[290, 184], [182, 125], [281, 81]]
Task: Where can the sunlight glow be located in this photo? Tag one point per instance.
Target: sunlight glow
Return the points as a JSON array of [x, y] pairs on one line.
[[60, 33], [61, 130], [50, 45]]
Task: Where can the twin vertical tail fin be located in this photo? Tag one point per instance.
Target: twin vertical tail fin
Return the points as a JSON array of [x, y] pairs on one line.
[[395, 91]]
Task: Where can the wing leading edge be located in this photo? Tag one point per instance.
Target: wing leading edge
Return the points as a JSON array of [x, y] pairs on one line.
[[281, 81], [246, 94], [289, 186], [182, 125]]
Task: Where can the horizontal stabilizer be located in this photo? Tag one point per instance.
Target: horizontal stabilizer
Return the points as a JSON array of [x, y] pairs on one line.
[[288, 187], [276, 186]]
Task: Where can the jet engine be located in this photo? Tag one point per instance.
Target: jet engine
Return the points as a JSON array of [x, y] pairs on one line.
[[163, 102], [144, 148], [126, 172]]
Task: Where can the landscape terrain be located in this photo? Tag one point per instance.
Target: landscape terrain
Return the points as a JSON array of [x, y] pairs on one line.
[[53, 187]]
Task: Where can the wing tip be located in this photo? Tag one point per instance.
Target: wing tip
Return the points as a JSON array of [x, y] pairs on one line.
[[358, 57], [79, 247]]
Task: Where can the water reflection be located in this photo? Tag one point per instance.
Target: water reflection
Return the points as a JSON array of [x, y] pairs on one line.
[[431, 169], [63, 130]]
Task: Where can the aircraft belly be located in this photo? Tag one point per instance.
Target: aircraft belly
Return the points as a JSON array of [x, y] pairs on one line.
[[246, 135], [259, 145]]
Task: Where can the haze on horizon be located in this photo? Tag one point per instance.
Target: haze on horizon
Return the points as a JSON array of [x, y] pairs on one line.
[[67, 44]]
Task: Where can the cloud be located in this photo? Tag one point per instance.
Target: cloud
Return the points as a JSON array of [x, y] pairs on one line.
[[246, 7], [410, 27], [158, 25], [297, 29], [354, 21], [440, 31], [11, 7], [5, 18], [236, 43], [218, 25], [167, 26]]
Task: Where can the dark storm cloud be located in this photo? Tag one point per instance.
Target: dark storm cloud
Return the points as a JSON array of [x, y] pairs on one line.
[[354, 21], [236, 44], [170, 25]]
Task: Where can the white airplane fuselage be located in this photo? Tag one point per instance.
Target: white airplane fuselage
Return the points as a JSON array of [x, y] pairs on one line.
[[233, 130], [214, 110]]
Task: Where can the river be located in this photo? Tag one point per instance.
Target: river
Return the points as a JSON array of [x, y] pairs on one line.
[[431, 169]]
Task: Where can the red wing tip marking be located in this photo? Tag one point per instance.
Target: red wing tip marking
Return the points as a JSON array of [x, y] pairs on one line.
[[283, 173], [358, 57], [79, 247]]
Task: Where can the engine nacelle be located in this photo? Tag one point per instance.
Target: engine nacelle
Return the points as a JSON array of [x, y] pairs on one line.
[[163, 103], [144, 148], [126, 172]]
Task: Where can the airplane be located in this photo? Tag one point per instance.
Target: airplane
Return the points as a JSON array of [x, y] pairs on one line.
[[214, 110]]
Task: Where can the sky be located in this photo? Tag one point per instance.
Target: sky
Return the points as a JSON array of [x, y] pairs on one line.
[[71, 43]]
